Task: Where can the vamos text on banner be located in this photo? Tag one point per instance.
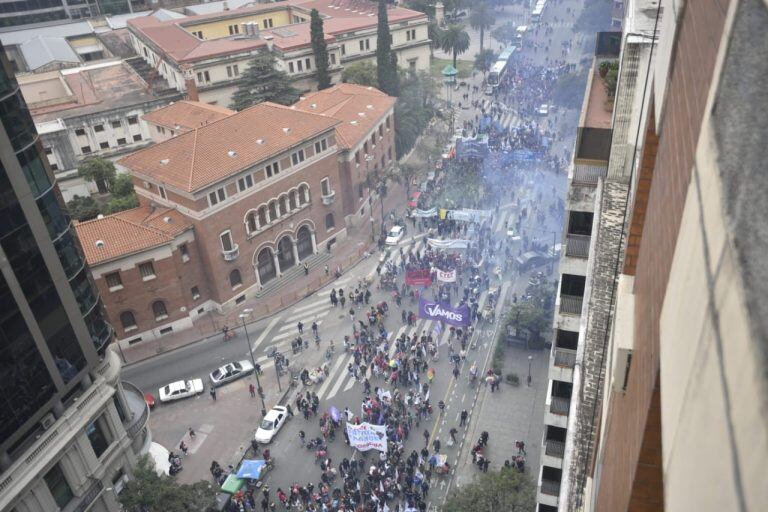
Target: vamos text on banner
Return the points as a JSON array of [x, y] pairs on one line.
[[458, 317], [365, 437]]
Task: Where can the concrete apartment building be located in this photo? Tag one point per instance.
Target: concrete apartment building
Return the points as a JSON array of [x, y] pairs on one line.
[[70, 430], [205, 55], [665, 406], [235, 206]]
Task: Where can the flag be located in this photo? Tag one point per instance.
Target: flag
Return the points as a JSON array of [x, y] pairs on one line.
[[437, 329]]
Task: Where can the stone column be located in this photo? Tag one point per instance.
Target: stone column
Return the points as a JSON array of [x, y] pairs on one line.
[[295, 250], [314, 241], [277, 264]]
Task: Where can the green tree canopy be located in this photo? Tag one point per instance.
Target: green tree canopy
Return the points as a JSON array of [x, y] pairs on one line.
[[320, 50], [149, 492], [260, 82], [435, 33], [386, 62], [506, 490], [118, 204], [82, 208], [484, 60], [535, 314], [413, 110], [360, 73], [99, 170], [122, 186], [481, 17], [505, 33], [455, 41]]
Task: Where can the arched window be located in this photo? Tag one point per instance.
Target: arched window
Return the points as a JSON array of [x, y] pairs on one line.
[[251, 224], [303, 194], [330, 223], [272, 211], [292, 200], [235, 279], [283, 206], [263, 216], [128, 320], [158, 309]]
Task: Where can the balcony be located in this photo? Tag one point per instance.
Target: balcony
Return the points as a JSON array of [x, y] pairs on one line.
[[565, 358], [571, 304], [561, 364], [588, 175], [577, 246], [231, 254], [554, 448], [93, 492], [550, 487], [329, 198], [139, 410], [560, 406]]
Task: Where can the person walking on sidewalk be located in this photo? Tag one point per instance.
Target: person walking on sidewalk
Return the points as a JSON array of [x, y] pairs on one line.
[[213, 393], [464, 415], [327, 270], [252, 390], [314, 329], [453, 433], [300, 327], [306, 269], [426, 438]]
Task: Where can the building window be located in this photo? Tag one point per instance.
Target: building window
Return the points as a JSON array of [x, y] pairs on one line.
[[283, 205], [381, 130], [365, 44], [330, 223], [115, 124], [160, 129], [234, 29], [217, 196], [198, 34], [233, 71], [389, 153], [388, 117], [292, 202], [195, 293], [54, 167], [114, 282], [361, 190], [137, 137], [272, 211], [263, 216], [272, 169], [235, 279], [96, 436], [308, 63], [85, 150], [128, 321], [57, 484], [48, 151], [410, 35], [103, 145], [333, 59], [303, 195], [98, 128], [226, 241], [268, 23], [80, 132], [161, 189], [290, 67], [357, 157], [244, 183], [121, 141], [373, 139], [159, 310], [251, 225], [321, 146], [133, 120], [365, 147], [147, 270], [325, 186], [184, 251], [299, 65], [297, 157], [203, 77]]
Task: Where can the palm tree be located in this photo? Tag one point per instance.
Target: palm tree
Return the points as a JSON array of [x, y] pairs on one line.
[[454, 39], [435, 34], [480, 18]]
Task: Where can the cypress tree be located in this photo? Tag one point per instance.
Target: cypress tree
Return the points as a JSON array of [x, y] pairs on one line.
[[262, 82], [320, 49], [386, 62]]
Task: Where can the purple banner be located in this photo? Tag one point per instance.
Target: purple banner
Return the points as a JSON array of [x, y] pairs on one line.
[[432, 310]]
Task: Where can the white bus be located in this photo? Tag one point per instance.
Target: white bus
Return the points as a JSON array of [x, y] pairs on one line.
[[538, 10], [500, 67]]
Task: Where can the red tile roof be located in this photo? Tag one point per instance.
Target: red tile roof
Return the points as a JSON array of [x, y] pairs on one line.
[[358, 108], [129, 232], [208, 154], [183, 116]]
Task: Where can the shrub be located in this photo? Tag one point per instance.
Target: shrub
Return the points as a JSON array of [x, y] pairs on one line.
[[513, 378]]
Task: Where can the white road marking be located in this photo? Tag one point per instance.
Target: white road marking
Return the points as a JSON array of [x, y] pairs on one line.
[[340, 362], [266, 330]]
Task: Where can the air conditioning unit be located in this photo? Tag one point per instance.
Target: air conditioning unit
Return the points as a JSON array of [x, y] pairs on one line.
[[48, 421], [621, 368]]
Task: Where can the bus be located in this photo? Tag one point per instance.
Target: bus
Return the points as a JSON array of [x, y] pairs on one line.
[[538, 10], [500, 67]]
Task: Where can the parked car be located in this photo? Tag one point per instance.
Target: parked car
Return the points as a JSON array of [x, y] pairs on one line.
[[271, 424], [543, 109], [531, 259], [395, 235], [230, 371], [181, 389]]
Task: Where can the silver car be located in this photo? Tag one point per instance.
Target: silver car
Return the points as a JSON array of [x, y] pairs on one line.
[[230, 371]]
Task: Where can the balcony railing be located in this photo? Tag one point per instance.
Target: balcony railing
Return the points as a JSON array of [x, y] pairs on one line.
[[588, 174], [565, 358], [571, 304], [554, 448], [231, 254], [577, 246], [139, 409], [90, 496], [560, 405], [550, 487], [329, 198]]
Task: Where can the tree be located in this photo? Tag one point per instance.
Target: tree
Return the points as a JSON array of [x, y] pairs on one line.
[[123, 186], [434, 33], [481, 18], [320, 50], [413, 110], [119, 204], [99, 170], [261, 81], [534, 314], [405, 175], [454, 40], [360, 73], [386, 61], [506, 33], [484, 60], [82, 208], [150, 492], [508, 490]]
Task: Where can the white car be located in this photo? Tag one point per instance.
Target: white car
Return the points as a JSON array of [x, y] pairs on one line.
[[181, 389], [271, 423], [489, 90], [543, 110], [394, 235], [230, 371]]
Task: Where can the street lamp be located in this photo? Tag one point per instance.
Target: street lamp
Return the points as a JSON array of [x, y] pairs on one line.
[[243, 316], [530, 360]]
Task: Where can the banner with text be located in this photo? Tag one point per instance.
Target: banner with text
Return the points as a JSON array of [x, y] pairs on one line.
[[446, 276], [448, 244], [431, 310], [366, 436], [418, 277], [432, 212]]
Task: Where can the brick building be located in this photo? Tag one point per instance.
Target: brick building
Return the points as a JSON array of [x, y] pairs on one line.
[[231, 206], [665, 406]]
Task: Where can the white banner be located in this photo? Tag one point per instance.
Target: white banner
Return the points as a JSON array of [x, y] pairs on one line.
[[432, 212], [446, 276], [365, 437], [448, 244], [470, 215]]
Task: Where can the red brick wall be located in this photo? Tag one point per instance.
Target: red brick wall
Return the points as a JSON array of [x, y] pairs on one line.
[[626, 483]]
